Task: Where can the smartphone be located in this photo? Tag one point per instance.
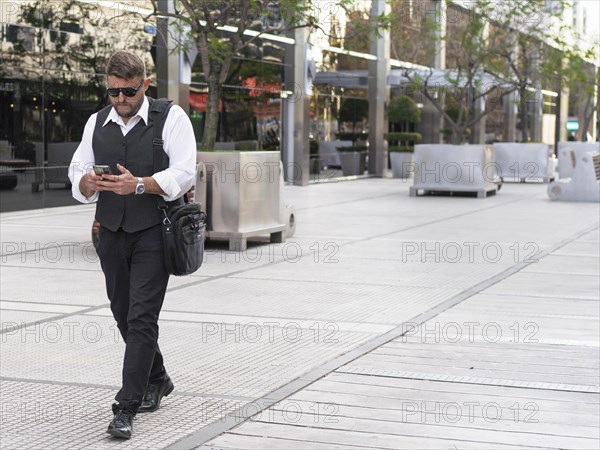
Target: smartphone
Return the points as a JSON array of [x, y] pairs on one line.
[[102, 170]]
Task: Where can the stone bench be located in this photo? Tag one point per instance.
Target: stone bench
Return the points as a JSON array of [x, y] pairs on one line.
[[584, 183], [569, 151]]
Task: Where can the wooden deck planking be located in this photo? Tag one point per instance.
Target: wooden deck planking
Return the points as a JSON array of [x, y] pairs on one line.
[[338, 381], [429, 431], [351, 438], [515, 414]]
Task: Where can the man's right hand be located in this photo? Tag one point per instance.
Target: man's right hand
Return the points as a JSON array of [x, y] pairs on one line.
[[88, 185]]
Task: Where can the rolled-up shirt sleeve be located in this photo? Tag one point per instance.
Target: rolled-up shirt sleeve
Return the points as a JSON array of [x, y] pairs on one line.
[[180, 146], [83, 162]]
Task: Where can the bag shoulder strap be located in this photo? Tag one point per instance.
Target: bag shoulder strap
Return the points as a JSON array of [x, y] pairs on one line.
[[157, 114]]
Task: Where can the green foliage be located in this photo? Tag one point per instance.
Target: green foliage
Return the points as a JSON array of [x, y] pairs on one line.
[[251, 65], [466, 58], [353, 110], [453, 109], [505, 38], [403, 136], [530, 44], [403, 109], [218, 48], [351, 136], [413, 36], [403, 141], [354, 148]]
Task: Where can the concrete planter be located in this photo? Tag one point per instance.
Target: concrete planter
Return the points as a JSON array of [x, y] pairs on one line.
[[243, 196], [314, 165], [570, 152], [328, 153], [524, 161], [353, 163], [454, 168], [401, 164]]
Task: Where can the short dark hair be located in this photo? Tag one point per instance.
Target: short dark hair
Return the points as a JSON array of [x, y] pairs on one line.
[[125, 65]]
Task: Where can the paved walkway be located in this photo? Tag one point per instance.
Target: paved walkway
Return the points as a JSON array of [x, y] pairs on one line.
[[385, 322]]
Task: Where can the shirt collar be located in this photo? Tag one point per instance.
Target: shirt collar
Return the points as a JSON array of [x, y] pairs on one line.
[[142, 113]]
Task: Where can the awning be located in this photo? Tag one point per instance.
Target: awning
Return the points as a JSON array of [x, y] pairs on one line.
[[349, 79], [358, 79], [198, 101]]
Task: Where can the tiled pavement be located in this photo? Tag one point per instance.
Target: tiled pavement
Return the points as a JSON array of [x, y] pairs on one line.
[[385, 322]]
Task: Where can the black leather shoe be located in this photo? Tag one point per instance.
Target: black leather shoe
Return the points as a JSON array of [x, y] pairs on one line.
[[122, 424], [154, 394]]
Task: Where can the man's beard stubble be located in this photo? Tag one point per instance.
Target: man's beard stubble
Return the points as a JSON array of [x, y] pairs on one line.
[[131, 109]]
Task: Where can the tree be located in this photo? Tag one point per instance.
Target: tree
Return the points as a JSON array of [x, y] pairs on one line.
[[528, 44], [463, 86], [411, 37], [577, 71], [403, 115], [403, 111], [356, 37], [587, 87], [494, 47], [353, 110], [221, 30]]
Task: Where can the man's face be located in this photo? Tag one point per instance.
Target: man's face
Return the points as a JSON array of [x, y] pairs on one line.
[[127, 107]]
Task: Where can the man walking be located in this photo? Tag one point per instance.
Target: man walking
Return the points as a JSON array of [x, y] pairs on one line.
[[130, 243]]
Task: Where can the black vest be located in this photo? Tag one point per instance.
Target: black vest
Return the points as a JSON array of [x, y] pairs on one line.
[[135, 152]]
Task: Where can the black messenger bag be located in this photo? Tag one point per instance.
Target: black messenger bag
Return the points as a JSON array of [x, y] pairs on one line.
[[184, 223], [183, 237]]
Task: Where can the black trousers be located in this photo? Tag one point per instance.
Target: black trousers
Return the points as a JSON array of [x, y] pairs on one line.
[[136, 282]]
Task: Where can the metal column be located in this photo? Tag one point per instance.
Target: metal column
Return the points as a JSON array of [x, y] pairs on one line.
[[431, 123], [378, 93], [296, 151], [509, 133], [168, 70]]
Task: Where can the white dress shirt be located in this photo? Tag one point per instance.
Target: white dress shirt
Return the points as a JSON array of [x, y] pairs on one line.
[[179, 144]]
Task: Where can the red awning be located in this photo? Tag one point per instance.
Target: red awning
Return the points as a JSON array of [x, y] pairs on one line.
[[257, 88], [198, 102]]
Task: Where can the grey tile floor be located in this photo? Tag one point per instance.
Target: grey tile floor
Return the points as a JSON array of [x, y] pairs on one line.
[[301, 345]]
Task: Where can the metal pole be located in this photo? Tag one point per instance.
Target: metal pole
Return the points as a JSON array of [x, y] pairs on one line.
[[41, 154], [378, 93], [557, 119], [167, 61], [296, 112]]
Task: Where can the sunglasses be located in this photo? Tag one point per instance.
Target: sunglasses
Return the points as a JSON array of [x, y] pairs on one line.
[[127, 91]]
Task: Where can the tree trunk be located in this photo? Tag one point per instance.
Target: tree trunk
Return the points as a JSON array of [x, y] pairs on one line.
[[523, 114], [458, 135], [588, 113], [211, 123]]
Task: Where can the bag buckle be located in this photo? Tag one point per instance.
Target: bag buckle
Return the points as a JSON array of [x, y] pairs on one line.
[[166, 220]]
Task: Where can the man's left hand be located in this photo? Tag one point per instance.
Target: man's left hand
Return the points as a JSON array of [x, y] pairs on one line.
[[123, 184]]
